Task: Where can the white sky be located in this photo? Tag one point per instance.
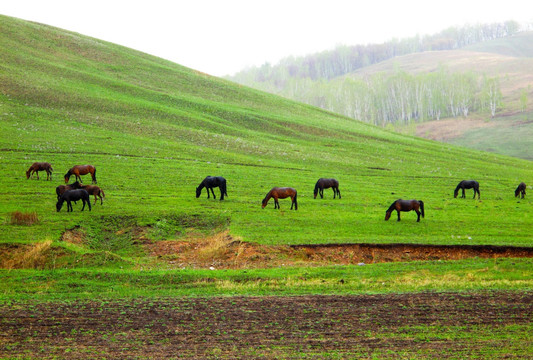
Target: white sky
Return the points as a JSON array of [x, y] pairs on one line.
[[221, 37]]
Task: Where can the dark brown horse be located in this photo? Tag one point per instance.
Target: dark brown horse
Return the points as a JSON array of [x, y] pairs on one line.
[[467, 184], [281, 193], [211, 182], [81, 170], [73, 195], [521, 189], [406, 205], [322, 184], [40, 166]]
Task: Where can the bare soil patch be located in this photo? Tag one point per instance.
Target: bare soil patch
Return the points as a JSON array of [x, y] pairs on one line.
[[222, 251], [448, 129], [427, 325]]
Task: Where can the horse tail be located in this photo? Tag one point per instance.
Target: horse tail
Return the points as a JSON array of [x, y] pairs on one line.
[[296, 200], [103, 194], [421, 207], [225, 188], [94, 174]]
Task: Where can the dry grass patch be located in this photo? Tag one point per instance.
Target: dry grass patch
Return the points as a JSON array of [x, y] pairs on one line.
[[20, 218], [25, 256]]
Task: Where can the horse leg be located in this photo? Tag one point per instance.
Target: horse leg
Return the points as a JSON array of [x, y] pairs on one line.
[[37, 173], [69, 206], [418, 214], [221, 194], [213, 192], [398, 211], [276, 203]]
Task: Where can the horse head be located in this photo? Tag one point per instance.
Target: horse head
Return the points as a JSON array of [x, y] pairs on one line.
[[67, 176], [59, 204], [387, 215], [198, 192]]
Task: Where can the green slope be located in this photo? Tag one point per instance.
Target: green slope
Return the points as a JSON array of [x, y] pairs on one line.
[[155, 129]]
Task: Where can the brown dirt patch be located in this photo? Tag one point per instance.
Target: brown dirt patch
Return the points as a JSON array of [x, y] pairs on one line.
[[222, 251], [427, 325], [448, 129]]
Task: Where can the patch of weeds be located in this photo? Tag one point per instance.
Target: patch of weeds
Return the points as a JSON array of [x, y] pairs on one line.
[[20, 218]]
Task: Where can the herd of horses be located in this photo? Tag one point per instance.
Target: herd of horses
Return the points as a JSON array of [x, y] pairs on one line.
[[78, 191], [71, 192]]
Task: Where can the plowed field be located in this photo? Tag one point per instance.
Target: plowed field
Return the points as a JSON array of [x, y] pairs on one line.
[[427, 325]]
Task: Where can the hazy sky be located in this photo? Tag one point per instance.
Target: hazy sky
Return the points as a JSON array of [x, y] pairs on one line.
[[221, 37]]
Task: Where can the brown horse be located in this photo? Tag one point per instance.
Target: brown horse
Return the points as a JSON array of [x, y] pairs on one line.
[[281, 193], [521, 189], [406, 205], [81, 170], [40, 166], [94, 190], [322, 184]]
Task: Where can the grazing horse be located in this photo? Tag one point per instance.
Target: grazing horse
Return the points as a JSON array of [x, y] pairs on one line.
[[96, 191], [521, 189], [60, 190], [81, 170], [73, 195], [281, 193], [322, 184], [211, 182], [467, 184], [406, 205], [40, 166]]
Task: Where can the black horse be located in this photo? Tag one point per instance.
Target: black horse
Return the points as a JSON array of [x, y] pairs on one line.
[[73, 195], [406, 205], [322, 184], [211, 182], [467, 184], [521, 189]]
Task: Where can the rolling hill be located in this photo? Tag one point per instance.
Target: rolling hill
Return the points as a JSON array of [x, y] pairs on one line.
[[155, 129]]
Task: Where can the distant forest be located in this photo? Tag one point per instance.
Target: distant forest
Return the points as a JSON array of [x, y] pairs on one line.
[[319, 80]]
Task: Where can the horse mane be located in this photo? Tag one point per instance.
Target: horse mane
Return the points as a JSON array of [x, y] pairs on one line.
[[392, 207], [268, 196]]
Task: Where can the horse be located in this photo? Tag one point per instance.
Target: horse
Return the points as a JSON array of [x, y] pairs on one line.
[[281, 193], [406, 205], [40, 166], [60, 190], [322, 184], [94, 190], [211, 182], [467, 184], [73, 195], [81, 170], [521, 189]]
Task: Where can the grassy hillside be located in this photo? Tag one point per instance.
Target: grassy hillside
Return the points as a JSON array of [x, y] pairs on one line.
[[155, 129]]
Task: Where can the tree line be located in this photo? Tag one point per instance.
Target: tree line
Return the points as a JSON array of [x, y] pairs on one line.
[[398, 97], [401, 97]]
